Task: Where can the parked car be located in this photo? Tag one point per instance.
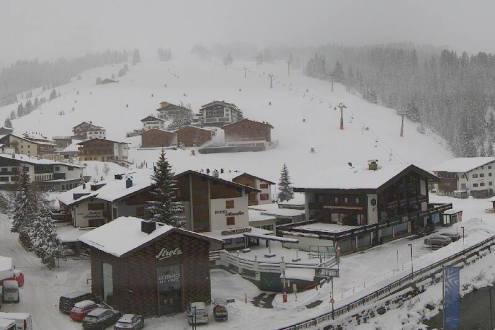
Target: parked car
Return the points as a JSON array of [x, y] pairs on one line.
[[437, 241], [6, 324], [100, 318], [453, 236], [23, 321], [197, 313], [81, 309], [130, 322], [67, 301], [220, 313], [10, 291]]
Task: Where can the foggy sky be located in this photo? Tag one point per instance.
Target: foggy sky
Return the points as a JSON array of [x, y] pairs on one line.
[[54, 28]]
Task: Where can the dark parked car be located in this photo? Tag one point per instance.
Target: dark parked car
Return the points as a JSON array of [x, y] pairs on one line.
[[220, 313], [100, 318], [130, 322], [453, 236], [437, 241], [67, 301]]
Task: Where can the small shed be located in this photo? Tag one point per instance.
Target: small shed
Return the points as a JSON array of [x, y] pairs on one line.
[[449, 217]]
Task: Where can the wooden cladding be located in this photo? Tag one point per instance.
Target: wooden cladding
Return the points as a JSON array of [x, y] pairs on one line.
[[135, 282]]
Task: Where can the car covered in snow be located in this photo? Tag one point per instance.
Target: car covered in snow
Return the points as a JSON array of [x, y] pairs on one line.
[[67, 301], [6, 324], [10, 291], [130, 322], [437, 241], [453, 236], [81, 309], [100, 318], [23, 321]]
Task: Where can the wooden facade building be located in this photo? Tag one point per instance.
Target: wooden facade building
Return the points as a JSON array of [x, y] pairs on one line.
[[247, 130], [191, 136], [264, 195], [154, 138], [103, 150], [146, 268]]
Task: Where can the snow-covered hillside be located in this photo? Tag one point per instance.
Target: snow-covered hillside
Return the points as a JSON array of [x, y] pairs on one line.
[[371, 131]]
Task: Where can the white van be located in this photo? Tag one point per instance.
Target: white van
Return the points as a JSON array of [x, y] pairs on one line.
[[10, 291], [197, 313], [7, 324], [23, 321]]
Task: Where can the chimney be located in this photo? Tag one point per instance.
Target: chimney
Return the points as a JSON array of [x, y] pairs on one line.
[[148, 227], [373, 165], [128, 183]]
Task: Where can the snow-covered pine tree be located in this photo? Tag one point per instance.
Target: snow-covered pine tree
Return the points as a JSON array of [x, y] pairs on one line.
[[43, 235], [7, 123], [489, 151], [164, 208], [23, 206], [284, 186], [53, 95]]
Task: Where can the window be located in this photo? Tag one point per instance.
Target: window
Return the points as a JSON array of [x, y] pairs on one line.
[[475, 175], [230, 221], [489, 167], [490, 183], [482, 175], [57, 168], [475, 185], [482, 184], [4, 178], [229, 204], [26, 169], [336, 200], [357, 200], [346, 200], [490, 174], [264, 197], [263, 185]]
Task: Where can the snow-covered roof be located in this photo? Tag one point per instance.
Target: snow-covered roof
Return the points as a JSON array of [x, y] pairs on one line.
[[255, 215], [37, 161], [273, 210], [121, 235], [303, 274], [98, 139], [462, 164], [151, 118], [124, 235], [347, 177], [219, 179], [5, 263], [326, 227], [217, 234], [110, 191], [452, 211]]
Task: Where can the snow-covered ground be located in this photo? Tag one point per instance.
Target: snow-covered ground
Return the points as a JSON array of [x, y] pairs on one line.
[[371, 131]]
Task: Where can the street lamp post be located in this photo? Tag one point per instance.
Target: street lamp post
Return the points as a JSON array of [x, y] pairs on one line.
[[462, 227], [412, 267]]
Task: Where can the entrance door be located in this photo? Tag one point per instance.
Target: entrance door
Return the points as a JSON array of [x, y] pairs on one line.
[[169, 289]]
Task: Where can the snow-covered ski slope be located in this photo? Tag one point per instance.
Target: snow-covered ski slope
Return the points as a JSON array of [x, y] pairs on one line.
[[371, 131]]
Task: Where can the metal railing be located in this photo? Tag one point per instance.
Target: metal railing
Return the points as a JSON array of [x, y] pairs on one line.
[[418, 276]]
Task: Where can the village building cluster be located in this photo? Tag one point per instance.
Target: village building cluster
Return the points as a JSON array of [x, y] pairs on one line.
[[177, 126]]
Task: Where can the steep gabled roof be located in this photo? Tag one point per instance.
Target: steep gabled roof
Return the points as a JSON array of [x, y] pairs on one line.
[[123, 235], [462, 164], [151, 118], [253, 176], [207, 105], [347, 178], [248, 120], [98, 139], [220, 180]]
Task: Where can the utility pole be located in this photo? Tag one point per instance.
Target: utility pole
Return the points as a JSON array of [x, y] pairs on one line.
[[412, 268], [245, 73], [331, 80], [491, 317], [271, 79], [402, 115], [341, 106]]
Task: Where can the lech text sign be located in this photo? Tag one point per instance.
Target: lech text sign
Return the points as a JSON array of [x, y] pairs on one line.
[[165, 253]]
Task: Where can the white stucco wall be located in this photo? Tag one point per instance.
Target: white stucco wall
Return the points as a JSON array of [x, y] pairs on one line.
[[484, 178], [219, 213]]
